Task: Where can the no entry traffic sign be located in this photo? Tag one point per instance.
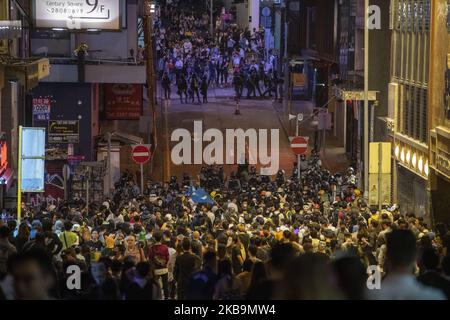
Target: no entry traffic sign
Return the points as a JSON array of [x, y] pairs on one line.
[[299, 145], [141, 154]]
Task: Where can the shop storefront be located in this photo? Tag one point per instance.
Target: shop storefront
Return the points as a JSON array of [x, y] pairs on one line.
[[412, 193], [66, 111]]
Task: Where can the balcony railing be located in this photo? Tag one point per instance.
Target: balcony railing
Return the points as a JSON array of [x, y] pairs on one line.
[[97, 71]]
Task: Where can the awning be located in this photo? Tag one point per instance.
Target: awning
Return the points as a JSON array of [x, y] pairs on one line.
[[121, 137]]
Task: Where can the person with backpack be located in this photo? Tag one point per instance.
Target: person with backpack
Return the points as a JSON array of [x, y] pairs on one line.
[[158, 254], [68, 237]]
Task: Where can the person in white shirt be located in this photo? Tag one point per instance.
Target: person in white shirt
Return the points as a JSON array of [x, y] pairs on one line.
[[232, 206], [267, 67], [236, 61], [179, 64], [242, 53], [254, 66], [400, 282], [272, 60], [187, 47], [117, 218]]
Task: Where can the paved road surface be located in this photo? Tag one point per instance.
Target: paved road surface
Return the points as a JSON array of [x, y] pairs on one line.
[[218, 114]]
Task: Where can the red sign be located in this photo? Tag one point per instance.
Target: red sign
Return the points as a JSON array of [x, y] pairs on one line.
[[141, 154], [123, 101], [75, 159], [299, 145], [3, 156], [41, 109]]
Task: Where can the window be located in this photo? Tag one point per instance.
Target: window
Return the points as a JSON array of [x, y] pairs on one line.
[[410, 68]]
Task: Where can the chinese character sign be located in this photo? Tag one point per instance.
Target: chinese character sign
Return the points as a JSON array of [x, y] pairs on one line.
[[41, 109], [123, 101]]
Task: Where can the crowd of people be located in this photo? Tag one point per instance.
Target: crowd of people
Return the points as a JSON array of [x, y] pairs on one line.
[[193, 61], [252, 238]]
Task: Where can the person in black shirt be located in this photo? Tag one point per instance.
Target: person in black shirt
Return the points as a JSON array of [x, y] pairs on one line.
[[202, 283], [52, 241], [204, 89], [281, 256], [143, 287], [182, 87], [238, 255], [185, 265], [429, 276], [238, 83], [194, 89], [94, 243], [165, 82]]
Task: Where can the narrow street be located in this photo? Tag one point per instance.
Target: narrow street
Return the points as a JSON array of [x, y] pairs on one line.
[[218, 113]]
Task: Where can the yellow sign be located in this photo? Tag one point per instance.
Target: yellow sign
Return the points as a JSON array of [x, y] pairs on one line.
[[298, 79], [380, 173], [43, 68], [379, 189], [380, 157]]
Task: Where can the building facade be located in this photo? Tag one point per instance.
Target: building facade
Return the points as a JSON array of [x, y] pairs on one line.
[[349, 85], [20, 72], [439, 115], [409, 92]]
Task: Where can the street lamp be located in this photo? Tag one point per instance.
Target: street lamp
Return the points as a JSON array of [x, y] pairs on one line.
[[366, 99], [299, 118], [149, 9]]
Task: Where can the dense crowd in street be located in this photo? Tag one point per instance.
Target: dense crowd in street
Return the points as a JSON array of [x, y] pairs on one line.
[[193, 61], [248, 237], [242, 236]]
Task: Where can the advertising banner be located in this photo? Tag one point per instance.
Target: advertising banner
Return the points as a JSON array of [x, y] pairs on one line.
[[32, 160]]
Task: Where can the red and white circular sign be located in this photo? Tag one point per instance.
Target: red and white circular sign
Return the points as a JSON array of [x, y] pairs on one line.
[[141, 154], [299, 145]]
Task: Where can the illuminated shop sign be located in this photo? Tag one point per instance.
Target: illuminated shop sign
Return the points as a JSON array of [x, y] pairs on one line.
[[77, 14]]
